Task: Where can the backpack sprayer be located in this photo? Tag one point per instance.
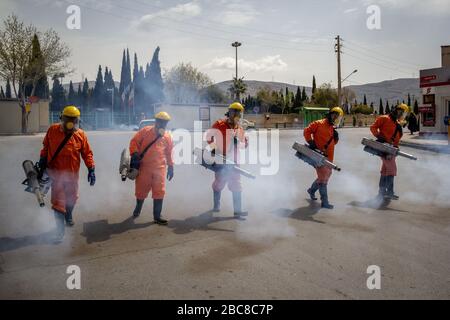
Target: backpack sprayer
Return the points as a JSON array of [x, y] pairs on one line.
[[383, 149], [315, 158], [34, 185]]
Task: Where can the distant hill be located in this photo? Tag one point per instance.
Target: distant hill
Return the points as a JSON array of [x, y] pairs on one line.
[[391, 90]]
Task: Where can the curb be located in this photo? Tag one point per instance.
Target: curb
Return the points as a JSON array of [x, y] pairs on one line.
[[432, 148]]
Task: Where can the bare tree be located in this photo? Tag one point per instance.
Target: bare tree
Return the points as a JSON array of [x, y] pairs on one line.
[[17, 65]]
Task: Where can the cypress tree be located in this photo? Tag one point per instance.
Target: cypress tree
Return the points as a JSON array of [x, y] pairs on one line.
[[409, 100], [154, 80], [416, 107], [8, 89], [388, 109], [71, 95], [99, 90], [122, 74], [304, 96], [380, 107], [36, 67], [313, 88], [84, 99], [2, 94], [58, 96], [365, 100]]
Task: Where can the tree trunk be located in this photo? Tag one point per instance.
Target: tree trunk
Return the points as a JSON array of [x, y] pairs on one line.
[[24, 117]]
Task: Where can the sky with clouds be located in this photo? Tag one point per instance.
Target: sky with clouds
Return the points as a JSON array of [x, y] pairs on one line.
[[284, 40]]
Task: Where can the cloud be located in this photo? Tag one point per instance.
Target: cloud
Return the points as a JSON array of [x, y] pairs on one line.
[[189, 10], [350, 10], [420, 7], [265, 64], [238, 14]]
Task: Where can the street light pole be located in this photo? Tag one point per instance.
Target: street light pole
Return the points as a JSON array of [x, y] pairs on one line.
[[236, 44]]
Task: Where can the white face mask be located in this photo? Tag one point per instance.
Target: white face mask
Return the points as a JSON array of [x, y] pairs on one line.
[[161, 131]]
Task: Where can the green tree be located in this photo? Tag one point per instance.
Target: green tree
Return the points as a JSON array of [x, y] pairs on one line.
[[8, 89], [2, 94], [325, 96], [409, 100], [313, 88], [365, 100], [388, 109], [380, 107], [58, 96], [99, 89], [71, 95], [84, 99], [213, 94], [78, 96], [304, 96], [154, 81], [237, 88], [416, 107], [35, 72], [184, 82]]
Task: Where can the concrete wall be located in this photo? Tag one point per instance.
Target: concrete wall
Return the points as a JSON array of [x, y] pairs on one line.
[[291, 120], [11, 119]]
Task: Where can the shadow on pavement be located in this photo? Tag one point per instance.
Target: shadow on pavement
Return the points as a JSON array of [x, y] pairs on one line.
[[101, 230], [374, 203], [199, 222], [8, 244], [303, 213]]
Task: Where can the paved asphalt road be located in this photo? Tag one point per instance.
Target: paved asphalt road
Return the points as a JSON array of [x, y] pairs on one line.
[[286, 249]]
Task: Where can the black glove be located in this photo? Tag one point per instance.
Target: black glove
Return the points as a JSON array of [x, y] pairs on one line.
[[381, 139], [91, 176], [335, 136], [40, 167], [235, 140], [213, 152], [169, 172], [312, 144], [135, 161]]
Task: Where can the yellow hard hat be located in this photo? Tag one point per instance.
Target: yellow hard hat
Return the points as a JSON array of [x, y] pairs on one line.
[[71, 111], [337, 110], [403, 106], [162, 115], [236, 106]]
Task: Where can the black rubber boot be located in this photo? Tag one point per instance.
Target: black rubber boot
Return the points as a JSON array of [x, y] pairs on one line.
[[216, 196], [138, 208], [68, 216], [382, 186], [324, 196], [157, 208], [311, 191], [390, 188], [60, 227], [237, 205]]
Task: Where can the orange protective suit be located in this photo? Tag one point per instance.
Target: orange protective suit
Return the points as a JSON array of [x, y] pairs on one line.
[[391, 131], [223, 136], [64, 170], [152, 169], [321, 131]]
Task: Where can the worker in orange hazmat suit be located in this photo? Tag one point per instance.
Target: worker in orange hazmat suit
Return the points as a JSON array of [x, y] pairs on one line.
[[322, 135], [60, 158], [151, 151]]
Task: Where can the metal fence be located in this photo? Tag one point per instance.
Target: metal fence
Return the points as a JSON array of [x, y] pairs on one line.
[[100, 119]]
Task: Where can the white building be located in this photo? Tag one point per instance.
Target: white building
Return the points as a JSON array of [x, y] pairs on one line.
[[184, 115], [435, 85]]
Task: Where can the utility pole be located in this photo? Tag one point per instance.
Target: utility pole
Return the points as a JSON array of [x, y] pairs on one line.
[[338, 51]]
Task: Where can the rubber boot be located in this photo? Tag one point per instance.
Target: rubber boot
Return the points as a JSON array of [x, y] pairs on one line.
[[138, 208], [324, 196], [60, 227], [390, 188], [68, 216], [237, 205], [382, 186], [157, 208], [216, 196], [311, 191]]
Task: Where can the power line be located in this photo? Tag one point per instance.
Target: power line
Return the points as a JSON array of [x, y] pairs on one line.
[[386, 56], [377, 58], [240, 27]]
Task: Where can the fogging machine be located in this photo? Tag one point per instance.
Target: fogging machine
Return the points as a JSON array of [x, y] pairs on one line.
[[315, 157], [218, 163], [383, 149], [34, 185]]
